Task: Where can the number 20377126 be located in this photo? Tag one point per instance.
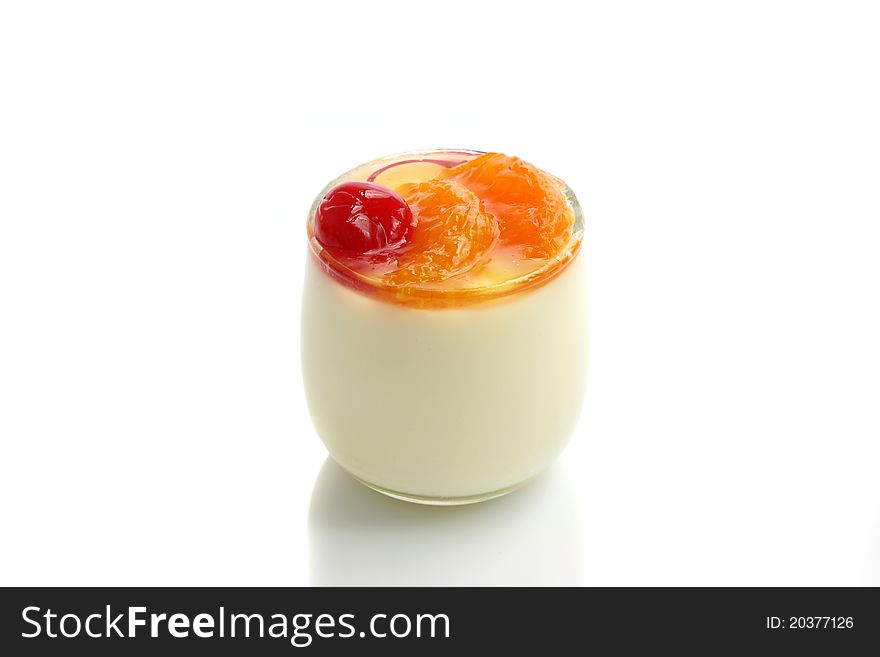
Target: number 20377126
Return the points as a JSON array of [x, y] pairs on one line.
[[809, 623]]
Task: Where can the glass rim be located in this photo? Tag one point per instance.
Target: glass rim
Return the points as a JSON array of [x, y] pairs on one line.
[[433, 296]]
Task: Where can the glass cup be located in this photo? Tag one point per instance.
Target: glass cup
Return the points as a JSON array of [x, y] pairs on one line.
[[450, 397]]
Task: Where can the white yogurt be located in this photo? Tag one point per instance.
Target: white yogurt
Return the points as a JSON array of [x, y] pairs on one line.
[[445, 405]]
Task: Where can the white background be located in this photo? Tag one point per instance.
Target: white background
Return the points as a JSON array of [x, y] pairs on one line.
[[156, 164]]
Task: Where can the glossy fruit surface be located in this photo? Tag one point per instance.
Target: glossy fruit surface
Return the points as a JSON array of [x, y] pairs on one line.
[[527, 203], [357, 218], [442, 228], [453, 232]]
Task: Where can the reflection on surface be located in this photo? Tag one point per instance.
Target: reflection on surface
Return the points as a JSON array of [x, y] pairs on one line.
[[361, 538]]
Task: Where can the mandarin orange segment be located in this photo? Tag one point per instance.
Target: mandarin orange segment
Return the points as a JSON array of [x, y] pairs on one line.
[[528, 205], [453, 233]]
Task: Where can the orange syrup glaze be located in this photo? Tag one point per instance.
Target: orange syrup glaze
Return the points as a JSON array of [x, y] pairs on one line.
[[486, 228]]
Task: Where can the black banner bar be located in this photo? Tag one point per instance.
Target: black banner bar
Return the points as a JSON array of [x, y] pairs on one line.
[[121, 621]]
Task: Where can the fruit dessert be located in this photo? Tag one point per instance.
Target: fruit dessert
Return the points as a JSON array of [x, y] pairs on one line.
[[444, 328], [433, 231]]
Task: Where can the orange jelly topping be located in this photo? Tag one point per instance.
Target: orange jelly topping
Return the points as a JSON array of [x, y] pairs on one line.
[[446, 227]]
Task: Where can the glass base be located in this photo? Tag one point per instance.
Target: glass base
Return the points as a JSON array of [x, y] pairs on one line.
[[440, 501]]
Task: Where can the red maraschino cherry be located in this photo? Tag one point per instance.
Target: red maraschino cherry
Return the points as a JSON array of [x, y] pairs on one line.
[[360, 217]]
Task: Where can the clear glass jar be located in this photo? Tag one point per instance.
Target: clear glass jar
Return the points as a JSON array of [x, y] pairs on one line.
[[444, 396]]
